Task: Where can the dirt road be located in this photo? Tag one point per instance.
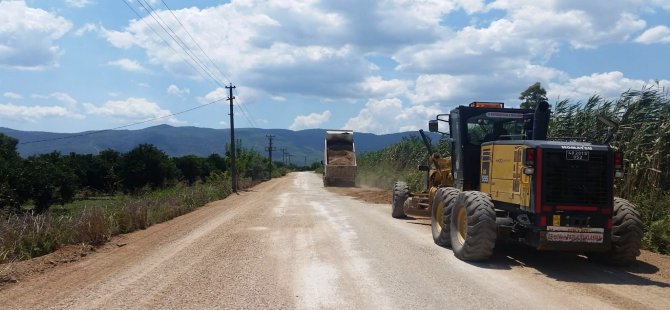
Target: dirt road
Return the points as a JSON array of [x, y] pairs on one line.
[[289, 243]]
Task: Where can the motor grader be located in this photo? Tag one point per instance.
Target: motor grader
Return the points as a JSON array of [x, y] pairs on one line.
[[505, 180]]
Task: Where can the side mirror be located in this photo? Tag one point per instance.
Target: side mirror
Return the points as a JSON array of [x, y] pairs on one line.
[[432, 125], [424, 167]]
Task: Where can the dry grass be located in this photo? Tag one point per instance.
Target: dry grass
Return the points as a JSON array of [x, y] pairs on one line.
[[27, 235]]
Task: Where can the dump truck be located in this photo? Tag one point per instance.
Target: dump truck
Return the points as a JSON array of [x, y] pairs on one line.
[[505, 180], [339, 158]]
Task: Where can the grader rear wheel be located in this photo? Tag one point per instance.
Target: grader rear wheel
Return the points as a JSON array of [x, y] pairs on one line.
[[626, 235], [440, 219], [400, 195], [473, 226]]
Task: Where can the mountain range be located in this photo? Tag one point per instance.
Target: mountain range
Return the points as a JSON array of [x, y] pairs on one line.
[[305, 146]]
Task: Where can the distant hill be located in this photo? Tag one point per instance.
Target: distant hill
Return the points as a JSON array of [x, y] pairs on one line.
[[179, 141]]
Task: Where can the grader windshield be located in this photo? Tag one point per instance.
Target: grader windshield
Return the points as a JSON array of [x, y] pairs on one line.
[[493, 126]]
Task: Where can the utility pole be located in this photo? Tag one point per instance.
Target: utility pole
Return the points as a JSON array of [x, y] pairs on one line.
[[233, 163], [283, 156], [289, 155], [270, 148], [305, 161]]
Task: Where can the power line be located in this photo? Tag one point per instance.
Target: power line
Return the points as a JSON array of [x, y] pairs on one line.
[[124, 126], [163, 39], [152, 12], [196, 43], [176, 38], [241, 107], [244, 111]]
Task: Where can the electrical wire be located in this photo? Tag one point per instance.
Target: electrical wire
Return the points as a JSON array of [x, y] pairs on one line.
[[192, 55], [244, 110], [163, 39], [155, 16], [197, 44]]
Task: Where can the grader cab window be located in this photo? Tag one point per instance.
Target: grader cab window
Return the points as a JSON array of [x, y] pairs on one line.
[[494, 126]]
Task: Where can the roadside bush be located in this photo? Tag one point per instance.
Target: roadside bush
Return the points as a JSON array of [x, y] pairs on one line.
[[91, 227], [24, 236]]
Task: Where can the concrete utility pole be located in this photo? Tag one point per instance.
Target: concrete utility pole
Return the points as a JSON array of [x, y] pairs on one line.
[[233, 163], [283, 156], [270, 148], [289, 155]]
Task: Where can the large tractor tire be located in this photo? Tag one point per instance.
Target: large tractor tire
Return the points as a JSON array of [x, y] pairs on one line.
[[473, 226], [400, 194], [440, 217], [627, 231]]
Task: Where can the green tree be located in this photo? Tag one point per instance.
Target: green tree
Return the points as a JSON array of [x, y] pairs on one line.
[[533, 95], [49, 179], [146, 165], [10, 172], [216, 163], [192, 168], [110, 169]]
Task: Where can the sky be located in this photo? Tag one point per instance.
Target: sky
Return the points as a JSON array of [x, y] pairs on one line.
[[371, 66]]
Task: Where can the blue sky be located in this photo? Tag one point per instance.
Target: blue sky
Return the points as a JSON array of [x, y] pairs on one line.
[[371, 66]]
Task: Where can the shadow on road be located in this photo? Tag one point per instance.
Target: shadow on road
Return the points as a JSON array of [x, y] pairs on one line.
[[569, 267]]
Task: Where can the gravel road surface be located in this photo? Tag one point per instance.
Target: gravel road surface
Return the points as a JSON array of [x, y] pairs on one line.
[[289, 243]]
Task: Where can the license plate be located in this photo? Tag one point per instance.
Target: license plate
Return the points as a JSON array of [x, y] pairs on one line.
[[577, 155], [575, 234]]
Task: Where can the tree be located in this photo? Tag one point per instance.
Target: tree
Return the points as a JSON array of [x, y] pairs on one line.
[[110, 167], [10, 173], [49, 179], [146, 165], [192, 168], [216, 163], [532, 96]]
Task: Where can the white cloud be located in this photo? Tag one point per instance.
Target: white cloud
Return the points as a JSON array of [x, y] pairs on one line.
[[65, 98], [28, 35], [312, 120], [174, 90], [85, 29], [127, 65], [376, 86], [658, 34], [31, 113], [218, 94], [389, 115], [118, 39], [260, 44], [529, 33], [376, 116], [78, 3], [131, 109], [12, 95], [608, 85], [439, 87]]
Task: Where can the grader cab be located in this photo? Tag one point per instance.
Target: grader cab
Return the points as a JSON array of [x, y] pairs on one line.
[[505, 179]]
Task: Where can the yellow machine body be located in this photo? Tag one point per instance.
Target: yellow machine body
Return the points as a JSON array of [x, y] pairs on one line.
[[502, 176]]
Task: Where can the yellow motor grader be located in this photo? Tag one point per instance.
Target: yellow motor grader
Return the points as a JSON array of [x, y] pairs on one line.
[[505, 179]]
